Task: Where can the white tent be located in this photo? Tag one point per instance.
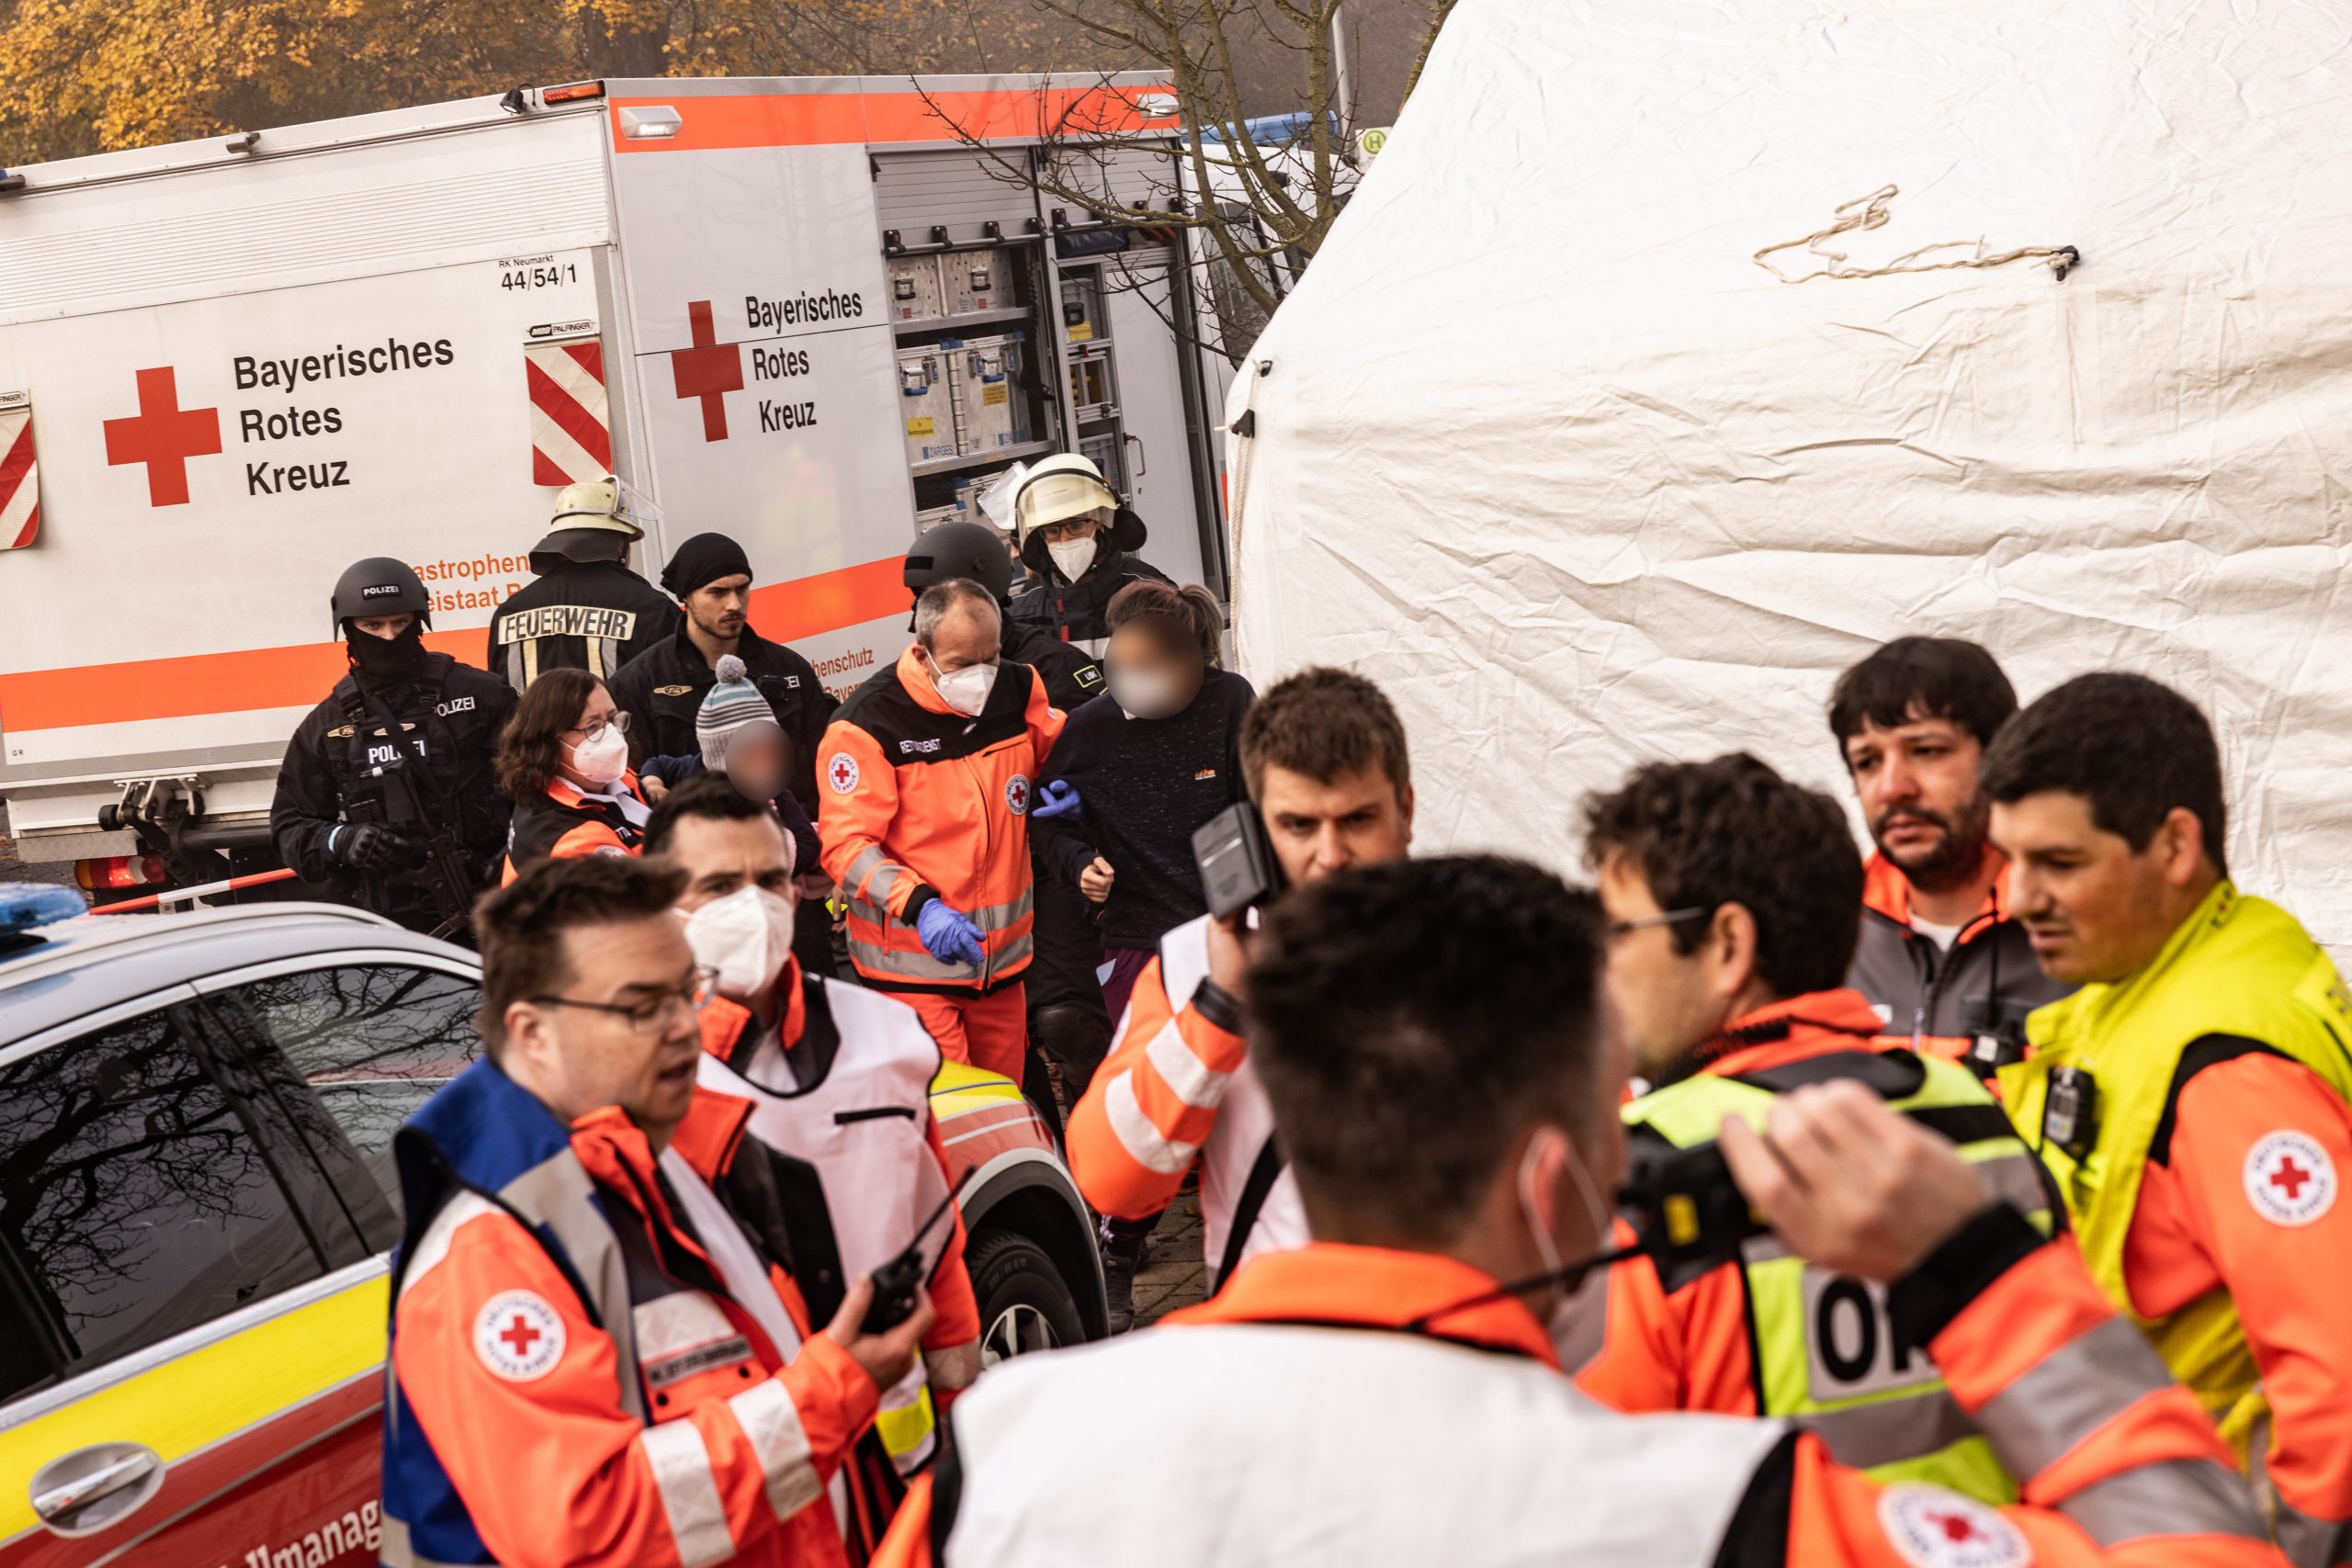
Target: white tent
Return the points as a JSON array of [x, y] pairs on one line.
[[1542, 448]]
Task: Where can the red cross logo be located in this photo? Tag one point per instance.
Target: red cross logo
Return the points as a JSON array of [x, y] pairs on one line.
[[709, 370], [521, 1336], [162, 435], [2289, 1176], [843, 773], [1956, 1528]]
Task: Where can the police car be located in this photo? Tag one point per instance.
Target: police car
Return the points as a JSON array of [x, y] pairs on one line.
[[196, 1200]]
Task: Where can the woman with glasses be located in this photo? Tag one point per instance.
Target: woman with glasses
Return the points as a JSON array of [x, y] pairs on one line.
[[563, 761]]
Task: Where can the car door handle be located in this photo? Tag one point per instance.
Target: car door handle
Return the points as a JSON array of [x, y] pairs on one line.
[[85, 1490]]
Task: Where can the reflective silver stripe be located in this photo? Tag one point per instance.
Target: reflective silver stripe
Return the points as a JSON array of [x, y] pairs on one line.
[[596, 646], [2309, 1542], [1136, 1132], [917, 965], [1891, 1431], [996, 916], [2068, 1395], [1012, 953], [689, 1492], [515, 669], [557, 1194], [396, 1552], [1194, 1082], [2181, 1496], [2016, 1179], [772, 1424], [863, 864]]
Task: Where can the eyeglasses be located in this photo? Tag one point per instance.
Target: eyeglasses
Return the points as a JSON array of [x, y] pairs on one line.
[[618, 721], [1064, 532], [1616, 929], [649, 1015]]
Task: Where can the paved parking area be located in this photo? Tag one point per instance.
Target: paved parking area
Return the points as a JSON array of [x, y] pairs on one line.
[[1173, 1275]]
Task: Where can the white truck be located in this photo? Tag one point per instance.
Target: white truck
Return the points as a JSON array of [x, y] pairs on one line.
[[806, 312]]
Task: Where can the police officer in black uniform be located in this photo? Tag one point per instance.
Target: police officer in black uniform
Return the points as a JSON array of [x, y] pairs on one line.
[[1067, 1018], [1079, 543], [386, 793], [587, 610]]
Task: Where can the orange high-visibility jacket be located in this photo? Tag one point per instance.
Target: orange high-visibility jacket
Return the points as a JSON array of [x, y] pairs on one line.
[[1322, 1411], [1177, 1089], [920, 802], [568, 823], [690, 1435]]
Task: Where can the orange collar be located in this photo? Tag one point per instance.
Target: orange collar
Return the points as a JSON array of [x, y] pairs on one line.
[[1888, 891], [723, 1022], [1374, 1287], [712, 1131], [1812, 1025]]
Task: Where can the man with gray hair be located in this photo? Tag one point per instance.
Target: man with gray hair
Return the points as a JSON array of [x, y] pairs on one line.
[[925, 778]]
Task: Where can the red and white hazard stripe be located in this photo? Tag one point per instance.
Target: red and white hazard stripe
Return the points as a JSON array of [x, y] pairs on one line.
[[571, 431], [20, 474]]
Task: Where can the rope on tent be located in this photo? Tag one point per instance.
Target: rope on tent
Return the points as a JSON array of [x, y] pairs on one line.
[[1874, 211]]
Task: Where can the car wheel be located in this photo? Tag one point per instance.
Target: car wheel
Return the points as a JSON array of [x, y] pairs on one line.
[[1024, 1306]]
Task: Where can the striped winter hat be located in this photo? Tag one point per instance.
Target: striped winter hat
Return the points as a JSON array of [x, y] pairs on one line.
[[729, 706]]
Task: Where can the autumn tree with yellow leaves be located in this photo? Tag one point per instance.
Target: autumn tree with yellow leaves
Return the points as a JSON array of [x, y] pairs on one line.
[[93, 76]]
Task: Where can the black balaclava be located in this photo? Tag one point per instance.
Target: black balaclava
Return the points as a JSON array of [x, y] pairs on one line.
[[387, 661]]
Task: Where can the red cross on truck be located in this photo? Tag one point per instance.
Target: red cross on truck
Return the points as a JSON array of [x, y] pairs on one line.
[[162, 435]]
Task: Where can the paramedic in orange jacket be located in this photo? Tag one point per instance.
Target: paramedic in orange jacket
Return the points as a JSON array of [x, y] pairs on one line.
[[1323, 757], [1446, 1077], [1733, 896], [2191, 1097], [839, 1077], [563, 760], [925, 776], [1941, 954], [591, 1360]]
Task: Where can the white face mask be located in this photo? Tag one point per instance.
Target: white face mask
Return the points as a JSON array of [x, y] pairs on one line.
[[745, 936], [603, 760], [1072, 556], [966, 690], [1145, 694], [1561, 1317]]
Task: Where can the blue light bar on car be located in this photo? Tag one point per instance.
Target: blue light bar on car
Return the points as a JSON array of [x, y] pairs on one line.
[[23, 904]]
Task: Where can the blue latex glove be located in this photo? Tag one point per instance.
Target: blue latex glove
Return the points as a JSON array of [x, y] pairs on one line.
[[949, 935], [1062, 800]]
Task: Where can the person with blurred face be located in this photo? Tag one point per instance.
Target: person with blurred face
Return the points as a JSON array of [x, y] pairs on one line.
[[597, 1349], [1941, 955], [2191, 1097], [563, 761], [1324, 758], [1732, 898], [838, 1076], [1443, 1070]]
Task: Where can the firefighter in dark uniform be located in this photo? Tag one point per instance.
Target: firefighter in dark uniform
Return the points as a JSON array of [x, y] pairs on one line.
[[1078, 544], [386, 796], [587, 610], [663, 689], [1067, 1018]]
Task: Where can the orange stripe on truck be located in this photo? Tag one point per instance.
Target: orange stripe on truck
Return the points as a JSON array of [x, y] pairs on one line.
[[826, 120], [297, 676]]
